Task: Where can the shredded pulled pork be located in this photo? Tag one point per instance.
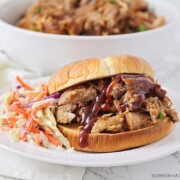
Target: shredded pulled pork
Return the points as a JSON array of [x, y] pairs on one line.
[[108, 123], [134, 99], [137, 120], [64, 113], [154, 108], [79, 94], [116, 104], [90, 17]]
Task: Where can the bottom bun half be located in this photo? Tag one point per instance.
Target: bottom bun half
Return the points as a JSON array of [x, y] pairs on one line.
[[108, 142]]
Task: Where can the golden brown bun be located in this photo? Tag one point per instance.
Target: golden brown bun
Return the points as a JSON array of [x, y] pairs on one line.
[[116, 142], [90, 69]]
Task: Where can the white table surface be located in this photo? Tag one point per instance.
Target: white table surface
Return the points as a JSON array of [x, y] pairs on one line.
[[168, 73]]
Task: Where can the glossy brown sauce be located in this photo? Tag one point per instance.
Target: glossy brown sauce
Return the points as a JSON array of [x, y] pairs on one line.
[[139, 85], [143, 85], [90, 114]]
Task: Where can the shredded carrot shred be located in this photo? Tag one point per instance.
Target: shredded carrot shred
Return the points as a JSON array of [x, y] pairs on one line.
[[12, 120], [23, 84], [40, 96], [44, 88], [17, 103], [43, 93], [37, 138], [41, 106], [19, 111], [52, 139], [29, 112], [13, 96], [30, 120], [10, 125], [24, 138], [31, 97], [29, 124], [47, 132], [34, 130]]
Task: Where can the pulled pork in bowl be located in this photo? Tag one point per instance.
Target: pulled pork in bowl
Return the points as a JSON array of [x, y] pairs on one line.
[[90, 17], [56, 49]]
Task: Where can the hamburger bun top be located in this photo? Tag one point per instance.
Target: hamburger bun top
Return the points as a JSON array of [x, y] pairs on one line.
[[91, 69]]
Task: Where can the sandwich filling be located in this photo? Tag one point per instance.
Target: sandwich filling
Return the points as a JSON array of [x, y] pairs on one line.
[[125, 102]]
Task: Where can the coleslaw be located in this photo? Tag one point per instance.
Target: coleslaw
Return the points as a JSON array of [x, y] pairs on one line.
[[27, 113]]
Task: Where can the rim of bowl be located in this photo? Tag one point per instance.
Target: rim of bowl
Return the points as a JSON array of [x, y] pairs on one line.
[[154, 3]]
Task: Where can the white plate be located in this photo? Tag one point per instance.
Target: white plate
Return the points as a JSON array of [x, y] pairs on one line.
[[164, 147]]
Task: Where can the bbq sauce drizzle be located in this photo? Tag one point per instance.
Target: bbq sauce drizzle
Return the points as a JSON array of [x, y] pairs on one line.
[[140, 85], [89, 116]]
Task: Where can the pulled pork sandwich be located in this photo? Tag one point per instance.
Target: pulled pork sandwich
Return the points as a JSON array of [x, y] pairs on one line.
[[111, 105]]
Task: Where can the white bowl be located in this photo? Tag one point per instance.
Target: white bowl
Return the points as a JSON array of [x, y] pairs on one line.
[[45, 53]]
